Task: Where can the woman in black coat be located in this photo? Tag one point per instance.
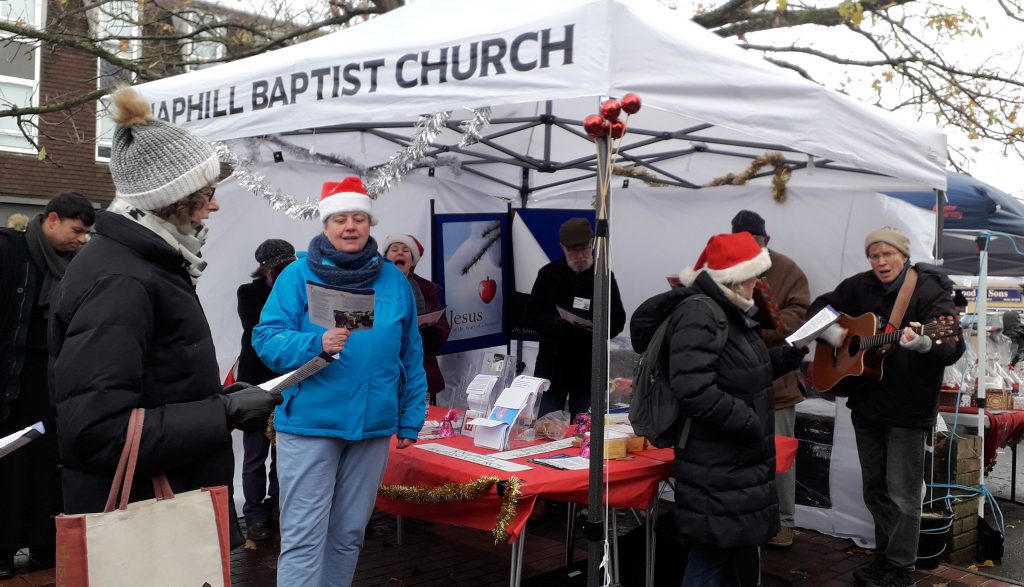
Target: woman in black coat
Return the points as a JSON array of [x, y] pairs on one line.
[[128, 331], [726, 505]]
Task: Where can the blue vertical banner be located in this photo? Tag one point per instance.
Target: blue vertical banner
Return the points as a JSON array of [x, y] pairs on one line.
[[472, 271], [534, 244]]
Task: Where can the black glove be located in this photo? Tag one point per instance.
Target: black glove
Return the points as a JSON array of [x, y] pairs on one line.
[[248, 407], [792, 357]]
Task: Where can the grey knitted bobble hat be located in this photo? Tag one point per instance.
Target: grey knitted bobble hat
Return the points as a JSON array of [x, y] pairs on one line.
[[154, 163]]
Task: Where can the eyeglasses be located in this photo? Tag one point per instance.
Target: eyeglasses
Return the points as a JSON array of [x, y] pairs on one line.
[[879, 257], [208, 193]]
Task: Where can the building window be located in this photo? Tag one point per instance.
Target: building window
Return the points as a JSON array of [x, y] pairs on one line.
[[19, 75], [199, 50], [113, 22]]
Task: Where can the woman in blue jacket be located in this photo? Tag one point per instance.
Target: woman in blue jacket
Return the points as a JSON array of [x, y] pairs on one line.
[[333, 428]]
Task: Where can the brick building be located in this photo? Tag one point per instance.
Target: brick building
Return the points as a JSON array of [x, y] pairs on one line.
[[76, 140]]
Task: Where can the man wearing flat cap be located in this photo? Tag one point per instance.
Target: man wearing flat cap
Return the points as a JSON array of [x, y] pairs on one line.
[[784, 284], [893, 416], [567, 283]]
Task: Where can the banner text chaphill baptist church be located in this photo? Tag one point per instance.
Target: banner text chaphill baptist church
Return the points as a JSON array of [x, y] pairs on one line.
[[528, 51]]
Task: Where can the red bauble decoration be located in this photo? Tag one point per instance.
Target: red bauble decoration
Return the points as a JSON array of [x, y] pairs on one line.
[[610, 110], [617, 129], [595, 126], [487, 288], [631, 103]]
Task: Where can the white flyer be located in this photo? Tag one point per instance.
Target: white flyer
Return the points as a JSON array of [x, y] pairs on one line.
[[536, 449], [813, 327], [340, 307], [472, 457]]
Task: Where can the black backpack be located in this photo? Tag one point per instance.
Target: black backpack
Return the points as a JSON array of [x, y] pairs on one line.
[[653, 410]]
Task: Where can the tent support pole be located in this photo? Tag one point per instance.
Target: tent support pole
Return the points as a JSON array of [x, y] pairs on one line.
[[940, 218], [981, 310], [596, 524]]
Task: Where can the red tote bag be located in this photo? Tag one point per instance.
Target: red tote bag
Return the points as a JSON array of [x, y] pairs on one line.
[[170, 541]]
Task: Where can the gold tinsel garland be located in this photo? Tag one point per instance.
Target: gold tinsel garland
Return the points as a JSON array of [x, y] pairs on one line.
[[637, 173], [453, 492], [776, 160]]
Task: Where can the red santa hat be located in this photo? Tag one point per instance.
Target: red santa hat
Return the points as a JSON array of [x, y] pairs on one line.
[[408, 240], [728, 259], [347, 195]]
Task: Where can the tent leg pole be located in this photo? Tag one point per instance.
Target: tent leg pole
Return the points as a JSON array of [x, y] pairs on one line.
[[597, 532]]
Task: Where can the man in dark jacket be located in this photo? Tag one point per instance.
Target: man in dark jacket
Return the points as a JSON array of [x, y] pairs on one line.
[[273, 255], [893, 416], [128, 331], [785, 295], [31, 267], [405, 251], [567, 285]]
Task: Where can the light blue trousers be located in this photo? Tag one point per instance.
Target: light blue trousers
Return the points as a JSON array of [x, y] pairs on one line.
[[328, 488]]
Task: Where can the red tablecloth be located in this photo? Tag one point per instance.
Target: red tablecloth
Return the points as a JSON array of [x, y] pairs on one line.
[[1006, 428], [632, 483]]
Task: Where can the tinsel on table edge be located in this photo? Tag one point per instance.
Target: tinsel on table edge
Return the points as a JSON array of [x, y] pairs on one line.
[[455, 492], [779, 181]]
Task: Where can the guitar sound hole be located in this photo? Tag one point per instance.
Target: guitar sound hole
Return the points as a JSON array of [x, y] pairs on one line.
[[854, 347]]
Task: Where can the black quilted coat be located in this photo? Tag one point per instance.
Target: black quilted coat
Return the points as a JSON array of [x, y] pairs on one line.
[[725, 478]]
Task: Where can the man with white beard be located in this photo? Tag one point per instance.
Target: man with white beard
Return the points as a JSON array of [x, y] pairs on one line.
[[568, 283]]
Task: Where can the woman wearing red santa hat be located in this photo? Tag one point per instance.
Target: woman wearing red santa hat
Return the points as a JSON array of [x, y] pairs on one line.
[[726, 504], [405, 251], [333, 428]]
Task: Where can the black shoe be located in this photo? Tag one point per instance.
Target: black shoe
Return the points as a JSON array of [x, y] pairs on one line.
[[7, 569], [871, 572], [258, 531], [893, 578], [42, 557]]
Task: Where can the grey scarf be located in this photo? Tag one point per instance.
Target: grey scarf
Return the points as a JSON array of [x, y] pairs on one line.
[[421, 302], [185, 239], [52, 263]]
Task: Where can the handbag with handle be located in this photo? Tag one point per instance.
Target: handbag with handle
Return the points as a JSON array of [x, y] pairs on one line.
[[170, 541]]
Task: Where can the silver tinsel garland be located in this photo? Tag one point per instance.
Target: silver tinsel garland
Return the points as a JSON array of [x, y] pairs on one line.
[[427, 129], [256, 184], [472, 128], [392, 172]]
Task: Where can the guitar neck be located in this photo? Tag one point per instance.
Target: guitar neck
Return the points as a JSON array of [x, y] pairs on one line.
[[884, 338]]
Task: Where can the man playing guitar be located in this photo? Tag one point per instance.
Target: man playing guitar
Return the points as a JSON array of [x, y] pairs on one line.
[[893, 415]]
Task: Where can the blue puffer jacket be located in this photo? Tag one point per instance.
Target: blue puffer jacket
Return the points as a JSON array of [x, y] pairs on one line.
[[377, 386]]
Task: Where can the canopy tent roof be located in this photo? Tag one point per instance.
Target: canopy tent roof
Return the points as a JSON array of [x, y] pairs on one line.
[[709, 107], [973, 206]]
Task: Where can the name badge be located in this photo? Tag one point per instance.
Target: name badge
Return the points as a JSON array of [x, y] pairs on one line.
[[580, 304]]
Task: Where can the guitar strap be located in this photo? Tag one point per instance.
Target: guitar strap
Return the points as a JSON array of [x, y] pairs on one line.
[[903, 299]]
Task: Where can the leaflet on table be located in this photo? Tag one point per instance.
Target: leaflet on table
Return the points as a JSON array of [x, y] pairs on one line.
[[340, 307], [536, 449], [573, 319], [430, 317], [813, 327], [13, 442], [472, 457], [563, 461], [279, 384]]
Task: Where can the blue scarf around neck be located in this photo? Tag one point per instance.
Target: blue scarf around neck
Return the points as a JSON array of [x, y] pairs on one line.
[[340, 269]]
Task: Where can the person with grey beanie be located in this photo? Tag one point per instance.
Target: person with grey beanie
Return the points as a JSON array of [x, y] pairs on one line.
[[128, 331]]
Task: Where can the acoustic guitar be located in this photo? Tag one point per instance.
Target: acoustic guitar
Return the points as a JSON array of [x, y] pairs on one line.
[[861, 356]]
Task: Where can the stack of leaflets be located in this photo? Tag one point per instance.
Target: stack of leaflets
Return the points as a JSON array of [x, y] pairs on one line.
[[517, 402]]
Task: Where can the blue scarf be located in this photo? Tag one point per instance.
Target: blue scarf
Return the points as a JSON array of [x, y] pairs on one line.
[[343, 269]]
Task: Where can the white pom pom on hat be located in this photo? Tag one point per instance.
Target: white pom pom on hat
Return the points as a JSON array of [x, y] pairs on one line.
[[347, 195]]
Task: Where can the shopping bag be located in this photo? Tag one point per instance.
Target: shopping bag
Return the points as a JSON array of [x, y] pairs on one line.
[[170, 541]]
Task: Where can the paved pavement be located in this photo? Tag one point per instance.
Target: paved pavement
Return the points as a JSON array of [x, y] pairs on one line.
[[440, 555]]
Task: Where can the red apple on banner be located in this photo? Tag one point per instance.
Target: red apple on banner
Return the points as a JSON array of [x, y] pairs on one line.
[[487, 289]]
